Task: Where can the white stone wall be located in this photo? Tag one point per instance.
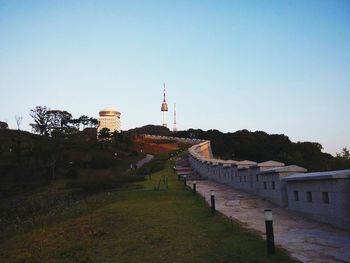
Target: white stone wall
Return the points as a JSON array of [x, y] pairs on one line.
[[269, 180], [273, 188], [335, 209], [315, 207]]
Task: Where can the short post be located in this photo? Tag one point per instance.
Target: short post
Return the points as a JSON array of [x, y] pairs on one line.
[[194, 187], [185, 180], [212, 200], [269, 232]]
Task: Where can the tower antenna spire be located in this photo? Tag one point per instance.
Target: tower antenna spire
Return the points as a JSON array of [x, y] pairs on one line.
[[164, 108], [164, 100], [174, 127]]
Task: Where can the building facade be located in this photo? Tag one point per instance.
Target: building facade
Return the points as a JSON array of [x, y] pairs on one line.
[[109, 118]]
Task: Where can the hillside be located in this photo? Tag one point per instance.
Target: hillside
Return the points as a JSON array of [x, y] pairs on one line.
[[150, 129], [42, 175], [28, 161], [137, 224], [71, 199]]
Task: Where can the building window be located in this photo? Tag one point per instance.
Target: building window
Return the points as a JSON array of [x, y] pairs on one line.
[[265, 185], [309, 197], [325, 197], [273, 185], [240, 179], [257, 177], [296, 196], [245, 178]]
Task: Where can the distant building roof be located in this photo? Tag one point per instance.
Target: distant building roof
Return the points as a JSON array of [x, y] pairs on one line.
[[3, 125], [109, 111], [339, 174]]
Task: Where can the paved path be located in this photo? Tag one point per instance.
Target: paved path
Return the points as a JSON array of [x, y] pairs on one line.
[[145, 160], [306, 240]]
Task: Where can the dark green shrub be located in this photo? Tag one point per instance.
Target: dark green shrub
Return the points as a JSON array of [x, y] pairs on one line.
[[101, 162], [135, 178], [133, 153], [72, 173], [153, 166], [95, 183]]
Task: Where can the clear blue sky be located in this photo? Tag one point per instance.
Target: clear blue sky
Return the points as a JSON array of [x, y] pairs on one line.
[[277, 66]]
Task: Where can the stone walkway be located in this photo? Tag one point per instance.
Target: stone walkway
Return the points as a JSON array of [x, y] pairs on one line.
[[145, 160], [306, 240]]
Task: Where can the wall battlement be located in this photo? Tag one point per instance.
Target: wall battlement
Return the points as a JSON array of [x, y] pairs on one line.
[[323, 196]]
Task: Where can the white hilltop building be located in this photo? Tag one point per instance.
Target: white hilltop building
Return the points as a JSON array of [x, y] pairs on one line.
[[109, 118]]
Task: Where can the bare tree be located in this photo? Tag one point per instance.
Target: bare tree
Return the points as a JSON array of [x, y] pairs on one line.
[[344, 154], [18, 121]]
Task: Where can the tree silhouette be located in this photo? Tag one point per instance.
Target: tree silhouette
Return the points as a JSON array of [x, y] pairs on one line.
[[58, 119], [93, 122], [40, 124], [104, 134], [84, 120], [344, 154]]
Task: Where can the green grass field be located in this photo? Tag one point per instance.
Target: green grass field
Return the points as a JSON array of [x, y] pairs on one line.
[[137, 224]]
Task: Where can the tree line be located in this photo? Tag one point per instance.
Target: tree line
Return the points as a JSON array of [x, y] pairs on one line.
[[58, 122], [58, 149], [240, 145], [260, 146]]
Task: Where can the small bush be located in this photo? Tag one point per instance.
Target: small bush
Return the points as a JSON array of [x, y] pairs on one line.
[[72, 173], [101, 162], [95, 183], [153, 166], [133, 153]]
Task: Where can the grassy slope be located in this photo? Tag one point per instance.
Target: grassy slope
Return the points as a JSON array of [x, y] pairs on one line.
[[138, 224]]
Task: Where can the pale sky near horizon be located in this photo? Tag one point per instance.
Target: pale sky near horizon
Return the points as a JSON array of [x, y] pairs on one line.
[[277, 66]]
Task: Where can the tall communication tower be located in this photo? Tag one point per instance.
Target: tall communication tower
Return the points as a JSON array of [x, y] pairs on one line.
[[174, 126], [164, 108]]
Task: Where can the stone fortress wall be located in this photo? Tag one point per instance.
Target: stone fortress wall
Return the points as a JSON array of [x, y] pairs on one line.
[[322, 196]]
